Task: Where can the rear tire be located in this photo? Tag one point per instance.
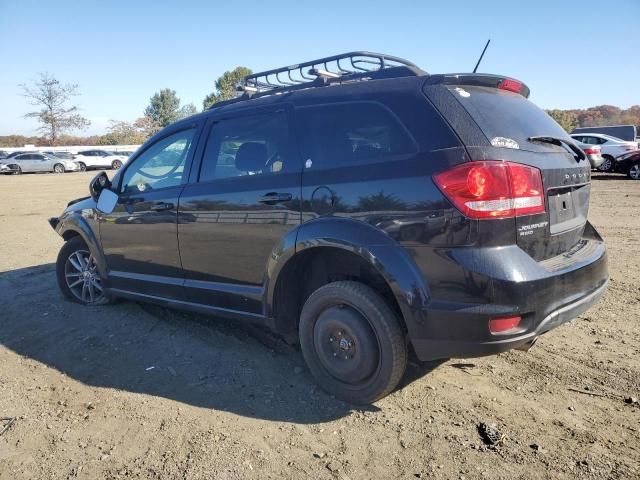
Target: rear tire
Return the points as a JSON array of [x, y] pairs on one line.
[[634, 171], [116, 164], [607, 164], [58, 168], [77, 274], [352, 342], [83, 167]]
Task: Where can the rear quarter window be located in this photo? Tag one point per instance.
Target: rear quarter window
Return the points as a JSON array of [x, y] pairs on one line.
[[342, 134], [500, 113]]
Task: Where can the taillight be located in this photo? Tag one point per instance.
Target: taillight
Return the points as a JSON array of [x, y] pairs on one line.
[[511, 85], [493, 189], [592, 151]]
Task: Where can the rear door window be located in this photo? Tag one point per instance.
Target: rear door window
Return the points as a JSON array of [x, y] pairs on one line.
[[250, 145], [343, 134], [501, 114]]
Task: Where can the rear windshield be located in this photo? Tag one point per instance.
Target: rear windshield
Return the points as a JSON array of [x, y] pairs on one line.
[[505, 117]]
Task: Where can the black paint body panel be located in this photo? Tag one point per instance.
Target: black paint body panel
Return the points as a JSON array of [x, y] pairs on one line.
[[222, 251]]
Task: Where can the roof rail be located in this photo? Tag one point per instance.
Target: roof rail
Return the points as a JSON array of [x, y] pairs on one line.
[[346, 67]]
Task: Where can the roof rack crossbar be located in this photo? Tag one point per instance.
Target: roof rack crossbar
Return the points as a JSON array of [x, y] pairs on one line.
[[346, 67]]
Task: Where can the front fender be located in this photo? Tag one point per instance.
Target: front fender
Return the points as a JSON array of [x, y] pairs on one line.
[[79, 222], [376, 248]]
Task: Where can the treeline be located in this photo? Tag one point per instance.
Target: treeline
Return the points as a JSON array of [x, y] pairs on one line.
[[596, 116]]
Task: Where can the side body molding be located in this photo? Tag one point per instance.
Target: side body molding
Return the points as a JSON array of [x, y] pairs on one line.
[[382, 252]]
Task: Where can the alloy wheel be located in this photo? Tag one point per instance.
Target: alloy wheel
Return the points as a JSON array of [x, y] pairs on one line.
[[606, 165], [58, 168], [634, 171], [82, 277]]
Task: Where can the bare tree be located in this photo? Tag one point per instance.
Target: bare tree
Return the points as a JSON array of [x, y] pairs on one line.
[[55, 114]]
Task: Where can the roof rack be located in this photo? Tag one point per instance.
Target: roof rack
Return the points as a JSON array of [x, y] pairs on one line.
[[346, 67]]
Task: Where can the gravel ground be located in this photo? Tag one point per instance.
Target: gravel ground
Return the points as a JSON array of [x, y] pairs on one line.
[[133, 391]]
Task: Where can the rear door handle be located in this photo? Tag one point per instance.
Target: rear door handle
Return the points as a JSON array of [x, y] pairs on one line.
[[161, 206], [272, 198]]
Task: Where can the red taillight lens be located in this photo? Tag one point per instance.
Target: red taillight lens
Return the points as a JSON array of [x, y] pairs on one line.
[[493, 189], [511, 85], [592, 151], [501, 325]]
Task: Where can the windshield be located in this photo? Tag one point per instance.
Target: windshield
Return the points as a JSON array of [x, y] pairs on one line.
[[506, 117]]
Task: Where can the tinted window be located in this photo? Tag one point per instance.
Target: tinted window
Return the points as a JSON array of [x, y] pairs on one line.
[[500, 113], [252, 145], [23, 157], [349, 133], [161, 165]]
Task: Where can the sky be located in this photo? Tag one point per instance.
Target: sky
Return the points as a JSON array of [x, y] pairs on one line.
[[572, 54]]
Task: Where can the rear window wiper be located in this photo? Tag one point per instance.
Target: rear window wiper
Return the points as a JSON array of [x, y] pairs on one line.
[[561, 142]]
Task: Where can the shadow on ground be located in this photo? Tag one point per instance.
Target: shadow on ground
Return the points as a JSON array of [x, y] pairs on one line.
[[146, 349]]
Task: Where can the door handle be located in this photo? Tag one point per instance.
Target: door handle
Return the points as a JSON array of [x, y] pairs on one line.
[[161, 206], [272, 198]]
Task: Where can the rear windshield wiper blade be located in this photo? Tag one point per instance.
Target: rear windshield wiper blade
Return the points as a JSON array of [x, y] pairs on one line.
[[561, 142]]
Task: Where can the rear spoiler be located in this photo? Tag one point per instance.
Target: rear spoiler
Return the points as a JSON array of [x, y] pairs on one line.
[[480, 80]]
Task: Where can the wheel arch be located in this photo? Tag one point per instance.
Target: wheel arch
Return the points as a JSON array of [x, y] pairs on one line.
[[346, 249], [74, 224]]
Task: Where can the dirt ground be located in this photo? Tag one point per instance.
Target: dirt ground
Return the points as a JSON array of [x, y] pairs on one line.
[[133, 391]]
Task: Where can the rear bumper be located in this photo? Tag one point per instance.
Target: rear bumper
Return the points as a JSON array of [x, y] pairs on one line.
[[428, 349], [545, 295]]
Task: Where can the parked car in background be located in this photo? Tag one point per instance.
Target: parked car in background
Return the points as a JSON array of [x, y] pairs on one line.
[[92, 159], [13, 154], [612, 147], [629, 164], [623, 132], [3, 154], [593, 153], [124, 153], [36, 162], [66, 155]]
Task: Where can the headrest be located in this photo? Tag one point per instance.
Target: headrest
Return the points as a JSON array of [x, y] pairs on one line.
[[251, 157]]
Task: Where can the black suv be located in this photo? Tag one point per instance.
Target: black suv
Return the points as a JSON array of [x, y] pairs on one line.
[[359, 204]]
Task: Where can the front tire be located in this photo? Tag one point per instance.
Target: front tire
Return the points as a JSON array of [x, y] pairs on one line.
[[352, 342], [83, 167], [116, 164], [77, 274], [58, 168]]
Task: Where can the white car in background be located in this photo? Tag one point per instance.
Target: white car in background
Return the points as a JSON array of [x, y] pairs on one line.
[[611, 147], [90, 159]]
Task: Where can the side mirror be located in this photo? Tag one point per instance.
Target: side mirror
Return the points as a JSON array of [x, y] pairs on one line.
[[99, 183]]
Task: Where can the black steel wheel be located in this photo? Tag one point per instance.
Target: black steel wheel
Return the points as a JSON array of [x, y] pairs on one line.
[[77, 274], [352, 342]]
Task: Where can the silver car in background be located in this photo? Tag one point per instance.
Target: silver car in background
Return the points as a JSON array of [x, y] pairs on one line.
[[593, 153], [37, 162]]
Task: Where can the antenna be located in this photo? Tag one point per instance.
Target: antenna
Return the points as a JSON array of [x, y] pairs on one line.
[[481, 55]]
